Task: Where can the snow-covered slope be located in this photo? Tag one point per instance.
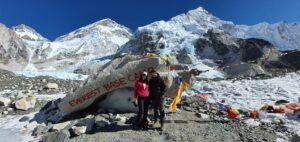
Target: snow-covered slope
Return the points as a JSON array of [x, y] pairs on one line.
[[179, 38], [28, 33], [252, 94], [284, 35], [103, 38], [96, 40], [184, 28], [182, 31], [100, 38]]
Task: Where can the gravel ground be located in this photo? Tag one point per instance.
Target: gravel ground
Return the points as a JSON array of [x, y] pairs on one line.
[[182, 126], [10, 81]]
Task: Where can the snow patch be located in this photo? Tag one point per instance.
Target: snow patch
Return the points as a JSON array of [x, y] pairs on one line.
[[252, 94], [59, 75], [14, 131]]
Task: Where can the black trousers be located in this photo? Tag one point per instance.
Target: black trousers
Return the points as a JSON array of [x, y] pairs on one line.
[[143, 105], [158, 107]]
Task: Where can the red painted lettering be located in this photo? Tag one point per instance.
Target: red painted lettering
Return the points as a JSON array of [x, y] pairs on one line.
[[98, 90], [78, 101], [72, 103], [131, 77], [116, 83], [85, 97], [107, 86], [122, 81]]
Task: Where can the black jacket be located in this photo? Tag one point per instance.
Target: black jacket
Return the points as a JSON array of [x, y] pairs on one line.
[[157, 87]]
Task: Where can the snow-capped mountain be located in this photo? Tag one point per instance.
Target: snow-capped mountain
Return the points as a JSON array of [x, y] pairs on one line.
[[96, 40], [181, 31], [283, 35], [178, 34], [102, 39], [105, 26], [179, 39], [28, 33]]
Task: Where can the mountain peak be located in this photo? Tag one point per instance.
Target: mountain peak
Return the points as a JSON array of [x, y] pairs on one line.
[[23, 27], [101, 27], [106, 22], [28, 33], [199, 10], [196, 21]]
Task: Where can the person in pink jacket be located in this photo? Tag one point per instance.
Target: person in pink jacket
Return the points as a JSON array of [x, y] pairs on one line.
[[141, 99]]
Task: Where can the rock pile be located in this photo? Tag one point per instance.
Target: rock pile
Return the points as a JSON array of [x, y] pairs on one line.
[[77, 127]]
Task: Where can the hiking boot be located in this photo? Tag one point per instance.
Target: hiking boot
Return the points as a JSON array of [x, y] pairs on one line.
[[146, 127], [161, 128]]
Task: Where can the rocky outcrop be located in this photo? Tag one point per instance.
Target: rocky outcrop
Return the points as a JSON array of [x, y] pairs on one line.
[[12, 49], [253, 49], [149, 43], [237, 56], [292, 59], [222, 46]]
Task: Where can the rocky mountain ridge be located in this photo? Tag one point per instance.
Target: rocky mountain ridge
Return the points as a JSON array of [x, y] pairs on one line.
[[22, 48], [96, 40]]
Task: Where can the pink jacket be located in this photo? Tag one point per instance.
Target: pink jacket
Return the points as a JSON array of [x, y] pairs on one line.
[[141, 89]]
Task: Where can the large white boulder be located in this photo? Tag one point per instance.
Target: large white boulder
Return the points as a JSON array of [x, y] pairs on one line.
[[78, 130], [25, 103], [203, 116], [60, 126], [4, 101], [52, 86]]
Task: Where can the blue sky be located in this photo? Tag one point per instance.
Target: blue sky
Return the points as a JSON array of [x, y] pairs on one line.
[[53, 18]]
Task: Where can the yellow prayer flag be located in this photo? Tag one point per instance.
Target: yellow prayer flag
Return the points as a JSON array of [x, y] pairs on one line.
[[183, 86]]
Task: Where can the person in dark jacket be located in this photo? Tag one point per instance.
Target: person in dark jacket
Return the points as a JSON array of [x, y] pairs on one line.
[[157, 89], [141, 99]]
